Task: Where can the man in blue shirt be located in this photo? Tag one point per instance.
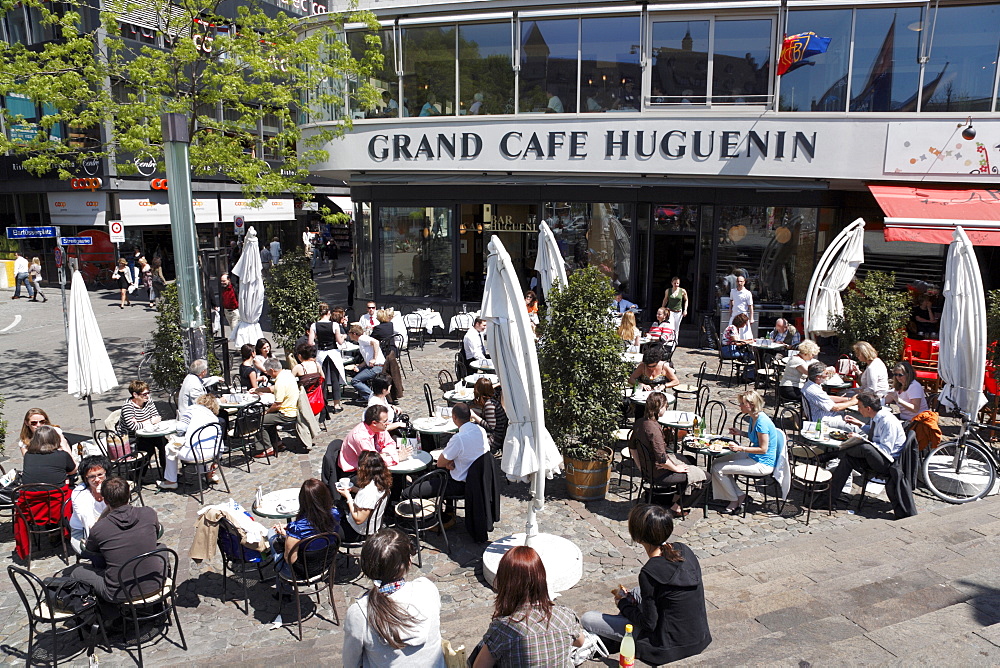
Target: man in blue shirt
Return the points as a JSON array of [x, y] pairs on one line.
[[785, 333], [620, 305]]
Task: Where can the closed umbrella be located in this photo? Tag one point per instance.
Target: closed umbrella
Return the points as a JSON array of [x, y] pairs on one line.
[[549, 262], [962, 352], [833, 274], [251, 276], [89, 368]]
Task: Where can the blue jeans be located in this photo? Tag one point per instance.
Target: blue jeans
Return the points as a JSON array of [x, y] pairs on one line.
[[22, 279], [361, 379], [610, 627]]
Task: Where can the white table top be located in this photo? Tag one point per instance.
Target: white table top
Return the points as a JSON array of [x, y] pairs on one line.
[[679, 418], [634, 358], [460, 394], [462, 321], [435, 425], [418, 461], [482, 365], [641, 396], [279, 503], [810, 434], [492, 377], [430, 319], [162, 428], [349, 347], [236, 400]]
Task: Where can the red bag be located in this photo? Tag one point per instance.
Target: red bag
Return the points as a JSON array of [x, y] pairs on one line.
[[312, 383]]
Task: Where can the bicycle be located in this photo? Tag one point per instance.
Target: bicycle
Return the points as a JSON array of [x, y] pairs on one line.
[[962, 469]]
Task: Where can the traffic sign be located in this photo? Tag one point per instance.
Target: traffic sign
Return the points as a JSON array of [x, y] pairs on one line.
[[117, 232], [31, 232], [239, 225], [58, 254], [76, 241]]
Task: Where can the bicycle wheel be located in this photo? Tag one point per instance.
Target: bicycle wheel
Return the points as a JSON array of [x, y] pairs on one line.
[[959, 474], [144, 371]]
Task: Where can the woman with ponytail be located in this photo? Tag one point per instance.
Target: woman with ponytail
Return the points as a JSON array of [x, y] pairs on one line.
[[397, 623], [667, 609]]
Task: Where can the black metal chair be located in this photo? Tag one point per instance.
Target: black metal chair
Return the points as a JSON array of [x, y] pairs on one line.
[[763, 481], [246, 428], [647, 468], [446, 381], [147, 588], [690, 390], [42, 611], [207, 434], [112, 444], [402, 346], [372, 524], [808, 474], [429, 398], [313, 565], [868, 474], [738, 366], [716, 416], [624, 455], [415, 331], [132, 467], [704, 396], [422, 514], [36, 505], [240, 560]]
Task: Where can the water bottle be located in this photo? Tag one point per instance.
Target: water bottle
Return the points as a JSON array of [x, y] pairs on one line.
[[626, 655], [819, 426]]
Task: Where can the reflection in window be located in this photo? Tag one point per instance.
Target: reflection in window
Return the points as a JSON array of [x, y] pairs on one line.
[[485, 75], [741, 64], [960, 74], [610, 78], [364, 253], [416, 251], [885, 75], [548, 66], [383, 77], [820, 82], [594, 234], [17, 25], [429, 71], [680, 62], [675, 218]]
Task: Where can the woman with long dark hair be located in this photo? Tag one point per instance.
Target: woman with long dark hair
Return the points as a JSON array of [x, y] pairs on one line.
[[44, 461], [488, 412], [667, 609], [398, 621], [372, 482], [316, 515], [528, 629]]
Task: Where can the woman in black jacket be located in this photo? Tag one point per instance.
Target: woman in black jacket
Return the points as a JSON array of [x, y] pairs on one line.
[[667, 609]]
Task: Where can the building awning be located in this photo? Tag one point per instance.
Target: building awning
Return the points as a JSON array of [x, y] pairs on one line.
[[87, 209], [930, 215], [154, 209]]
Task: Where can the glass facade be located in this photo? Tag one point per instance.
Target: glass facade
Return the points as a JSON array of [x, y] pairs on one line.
[[485, 75], [416, 244], [680, 62], [962, 67], [610, 77], [594, 234], [549, 66], [820, 85], [741, 60], [429, 71], [886, 74]]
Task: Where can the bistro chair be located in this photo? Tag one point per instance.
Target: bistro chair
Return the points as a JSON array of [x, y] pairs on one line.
[[415, 331], [808, 474], [689, 390], [41, 609], [737, 367], [240, 560], [704, 396], [374, 522], [647, 469], [869, 475], [763, 481], [446, 382], [624, 438], [41, 509], [209, 433], [314, 570], [132, 467], [402, 346], [461, 366], [142, 603], [417, 516], [246, 428], [715, 415]]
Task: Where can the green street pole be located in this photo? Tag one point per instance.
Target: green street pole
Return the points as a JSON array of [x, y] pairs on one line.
[[176, 141]]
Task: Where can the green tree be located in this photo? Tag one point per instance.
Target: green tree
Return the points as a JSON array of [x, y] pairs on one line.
[[580, 359], [168, 367], [292, 296], [245, 83], [876, 312]]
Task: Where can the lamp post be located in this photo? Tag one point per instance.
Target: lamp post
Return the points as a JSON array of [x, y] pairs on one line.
[[176, 141]]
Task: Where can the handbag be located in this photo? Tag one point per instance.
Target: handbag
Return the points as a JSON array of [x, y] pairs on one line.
[[69, 595], [592, 649], [312, 383]]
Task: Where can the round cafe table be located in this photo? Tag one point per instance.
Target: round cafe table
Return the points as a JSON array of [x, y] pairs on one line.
[[281, 504], [162, 428], [641, 396], [492, 377], [238, 400], [416, 463], [699, 447], [678, 420], [462, 394], [823, 440], [435, 425], [483, 365]]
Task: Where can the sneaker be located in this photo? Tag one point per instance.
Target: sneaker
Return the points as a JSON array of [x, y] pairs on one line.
[[163, 484]]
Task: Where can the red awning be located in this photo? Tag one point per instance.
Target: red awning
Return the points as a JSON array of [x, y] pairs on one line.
[[930, 215]]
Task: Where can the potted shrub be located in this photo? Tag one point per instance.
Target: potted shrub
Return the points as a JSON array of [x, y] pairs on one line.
[[876, 312], [168, 367], [292, 297], [582, 373]]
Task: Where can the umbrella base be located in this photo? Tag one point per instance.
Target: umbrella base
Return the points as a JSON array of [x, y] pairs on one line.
[[562, 558]]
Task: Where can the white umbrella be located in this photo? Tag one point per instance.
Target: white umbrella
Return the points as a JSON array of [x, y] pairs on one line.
[[549, 262], [833, 274], [962, 352], [89, 368], [528, 449], [251, 276]]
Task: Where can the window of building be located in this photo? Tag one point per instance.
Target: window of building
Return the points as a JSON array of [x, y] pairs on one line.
[[680, 62], [885, 75], [960, 75], [741, 61], [610, 78], [17, 25], [383, 78], [485, 75], [548, 73], [594, 234], [819, 83], [416, 251], [429, 70]]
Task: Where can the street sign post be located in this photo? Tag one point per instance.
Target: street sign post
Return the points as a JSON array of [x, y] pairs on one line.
[[117, 230], [46, 232], [76, 241], [239, 225]]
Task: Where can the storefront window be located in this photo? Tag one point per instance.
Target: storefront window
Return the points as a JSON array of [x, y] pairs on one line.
[[741, 64], [680, 62], [364, 281], [383, 78], [610, 78], [819, 83], [594, 234], [416, 251], [548, 66], [885, 73], [960, 74], [485, 75], [429, 71]]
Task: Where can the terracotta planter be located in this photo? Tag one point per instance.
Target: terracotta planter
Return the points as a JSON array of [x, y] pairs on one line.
[[588, 480]]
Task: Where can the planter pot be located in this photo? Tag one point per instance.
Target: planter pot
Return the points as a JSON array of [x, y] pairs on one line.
[[588, 480]]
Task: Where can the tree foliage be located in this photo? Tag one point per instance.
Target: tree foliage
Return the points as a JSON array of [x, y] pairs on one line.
[[168, 367], [876, 312], [292, 296], [100, 94], [580, 359]]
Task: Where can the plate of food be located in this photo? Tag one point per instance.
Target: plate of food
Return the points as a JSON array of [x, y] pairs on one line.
[[720, 444], [839, 435]]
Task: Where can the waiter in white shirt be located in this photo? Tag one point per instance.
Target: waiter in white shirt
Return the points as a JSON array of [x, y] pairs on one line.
[[474, 343], [741, 300]]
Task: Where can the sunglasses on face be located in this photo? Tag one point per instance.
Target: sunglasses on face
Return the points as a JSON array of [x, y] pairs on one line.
[[35, 423], [143, 394]]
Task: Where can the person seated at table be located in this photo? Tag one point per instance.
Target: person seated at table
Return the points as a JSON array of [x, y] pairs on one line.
[[44, 461], [205, 411], [629, 333], [667, 610], [138, 413], [396, 622], [661, 329], [263, 353], [317, 514], [473, 343], [875, 377], [88, 504], [385, 333], [368, 319], [906, 392], [370, 434], [531, 305], [622, 305], [527, 629], [884, 430], [488, 412], [758, 458], [653, 373], [284, 410], [372, 482], [797, 370], [736, 339], [822, 406], [123, 532], [372, 363], [925, 321], [381, 387], [250, 377], [670, 468], [35, 418], [193, 385], [784, 333]]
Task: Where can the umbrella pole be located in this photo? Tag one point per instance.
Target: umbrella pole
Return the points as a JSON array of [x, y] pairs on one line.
[[90, 409], [537, 498]]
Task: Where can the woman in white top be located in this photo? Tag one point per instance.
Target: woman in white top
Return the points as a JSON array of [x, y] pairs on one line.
[[628, 332], [906, 392], [381, 387], [35, 276], [373, 481], [875, 378], [35, 418], [88, 504], [204, 411], [398, 622], [796, 366]]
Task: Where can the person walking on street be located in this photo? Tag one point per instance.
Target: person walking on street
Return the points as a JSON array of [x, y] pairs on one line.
[[124, 278], [157, 281], [35, 277], [21, 273], [332, 255], [275, 251]]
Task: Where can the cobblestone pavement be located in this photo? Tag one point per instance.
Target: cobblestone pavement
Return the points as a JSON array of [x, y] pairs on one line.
[[219, 633]]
